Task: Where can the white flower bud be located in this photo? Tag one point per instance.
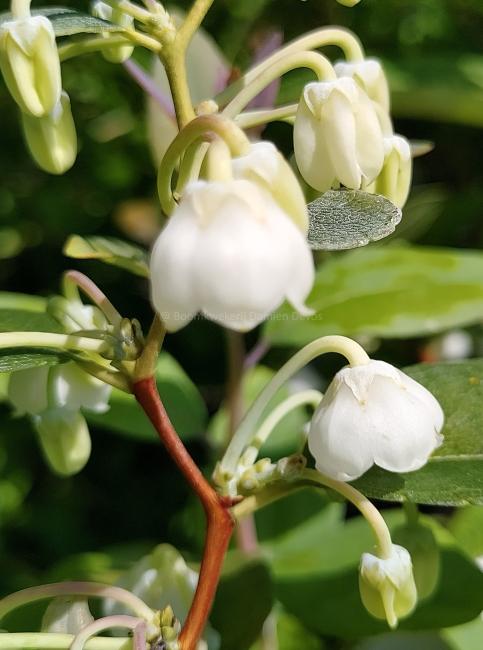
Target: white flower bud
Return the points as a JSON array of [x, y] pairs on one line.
[[370, 76], [52, 138], [64, 438], [387, 586], [374, 413], [119, 53], [337, 135], [230, 252], [394, 181], [266, 167], [30, 63]]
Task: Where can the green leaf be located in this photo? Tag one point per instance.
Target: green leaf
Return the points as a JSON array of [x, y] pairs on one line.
[[391, 291], [67, 22], [315, 569], [286, 438], [454, 474], [465, 637], [243, 601], [109, 250], [342, 219], [180, 396], [22, 359], [26, 320], [403, 641], [467, 527], [290, 633]]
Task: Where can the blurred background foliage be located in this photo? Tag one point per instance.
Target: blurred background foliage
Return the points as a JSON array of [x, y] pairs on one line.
[[129, 497]]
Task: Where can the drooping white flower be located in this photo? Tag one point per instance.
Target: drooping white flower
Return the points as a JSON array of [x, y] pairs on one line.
[[52, 138], [230, 252], [30, 63], [160, 579], [266, 167], [54, 397], [370, 76], [394, 181], [387, 585], [119, 53], [337, 135], [34, 390], [374, 413]]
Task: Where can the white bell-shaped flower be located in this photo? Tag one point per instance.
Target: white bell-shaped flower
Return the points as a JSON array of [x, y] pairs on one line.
[[337, 135], [266, 167], [35, 390], [52, 138], [394, 181], [230, 252], [370, 76], [30, 63], [387, 586], [374, 413], [119, 53]]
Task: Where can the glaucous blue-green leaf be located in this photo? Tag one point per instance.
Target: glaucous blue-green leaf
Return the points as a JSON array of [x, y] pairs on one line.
[[342, 219], [109, 250], [315, 572], [67, 22], [24, 358], [454, 474], [243, 601], [387, 291], [286, 438], [180, 396]]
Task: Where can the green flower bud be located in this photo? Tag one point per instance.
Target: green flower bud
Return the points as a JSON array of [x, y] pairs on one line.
[[119, 53], [66, 615], [425, 554], [52, 139], [64, 438], [30, 63], [387, 585]]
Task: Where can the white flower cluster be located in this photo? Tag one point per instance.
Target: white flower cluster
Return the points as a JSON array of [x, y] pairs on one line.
[[343, 134]]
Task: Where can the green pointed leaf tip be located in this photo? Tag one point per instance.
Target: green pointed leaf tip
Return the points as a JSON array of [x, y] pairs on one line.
[[391, 292], [24, 358], [109, 250], [454, 474], [67, 22], [343, 219]]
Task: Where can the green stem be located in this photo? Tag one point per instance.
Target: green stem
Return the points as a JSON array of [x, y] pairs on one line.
[[306, 397], [342, 38], [312, 60], [250, 119], [50, 340], [193, 20], [131, 9], [247, 429], [362, 503], [50, 641], [90, 45], [269, 494], [200, 127], [174, 64]]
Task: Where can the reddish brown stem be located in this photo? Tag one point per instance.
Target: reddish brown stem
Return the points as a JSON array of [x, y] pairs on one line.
[[219, 520]]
